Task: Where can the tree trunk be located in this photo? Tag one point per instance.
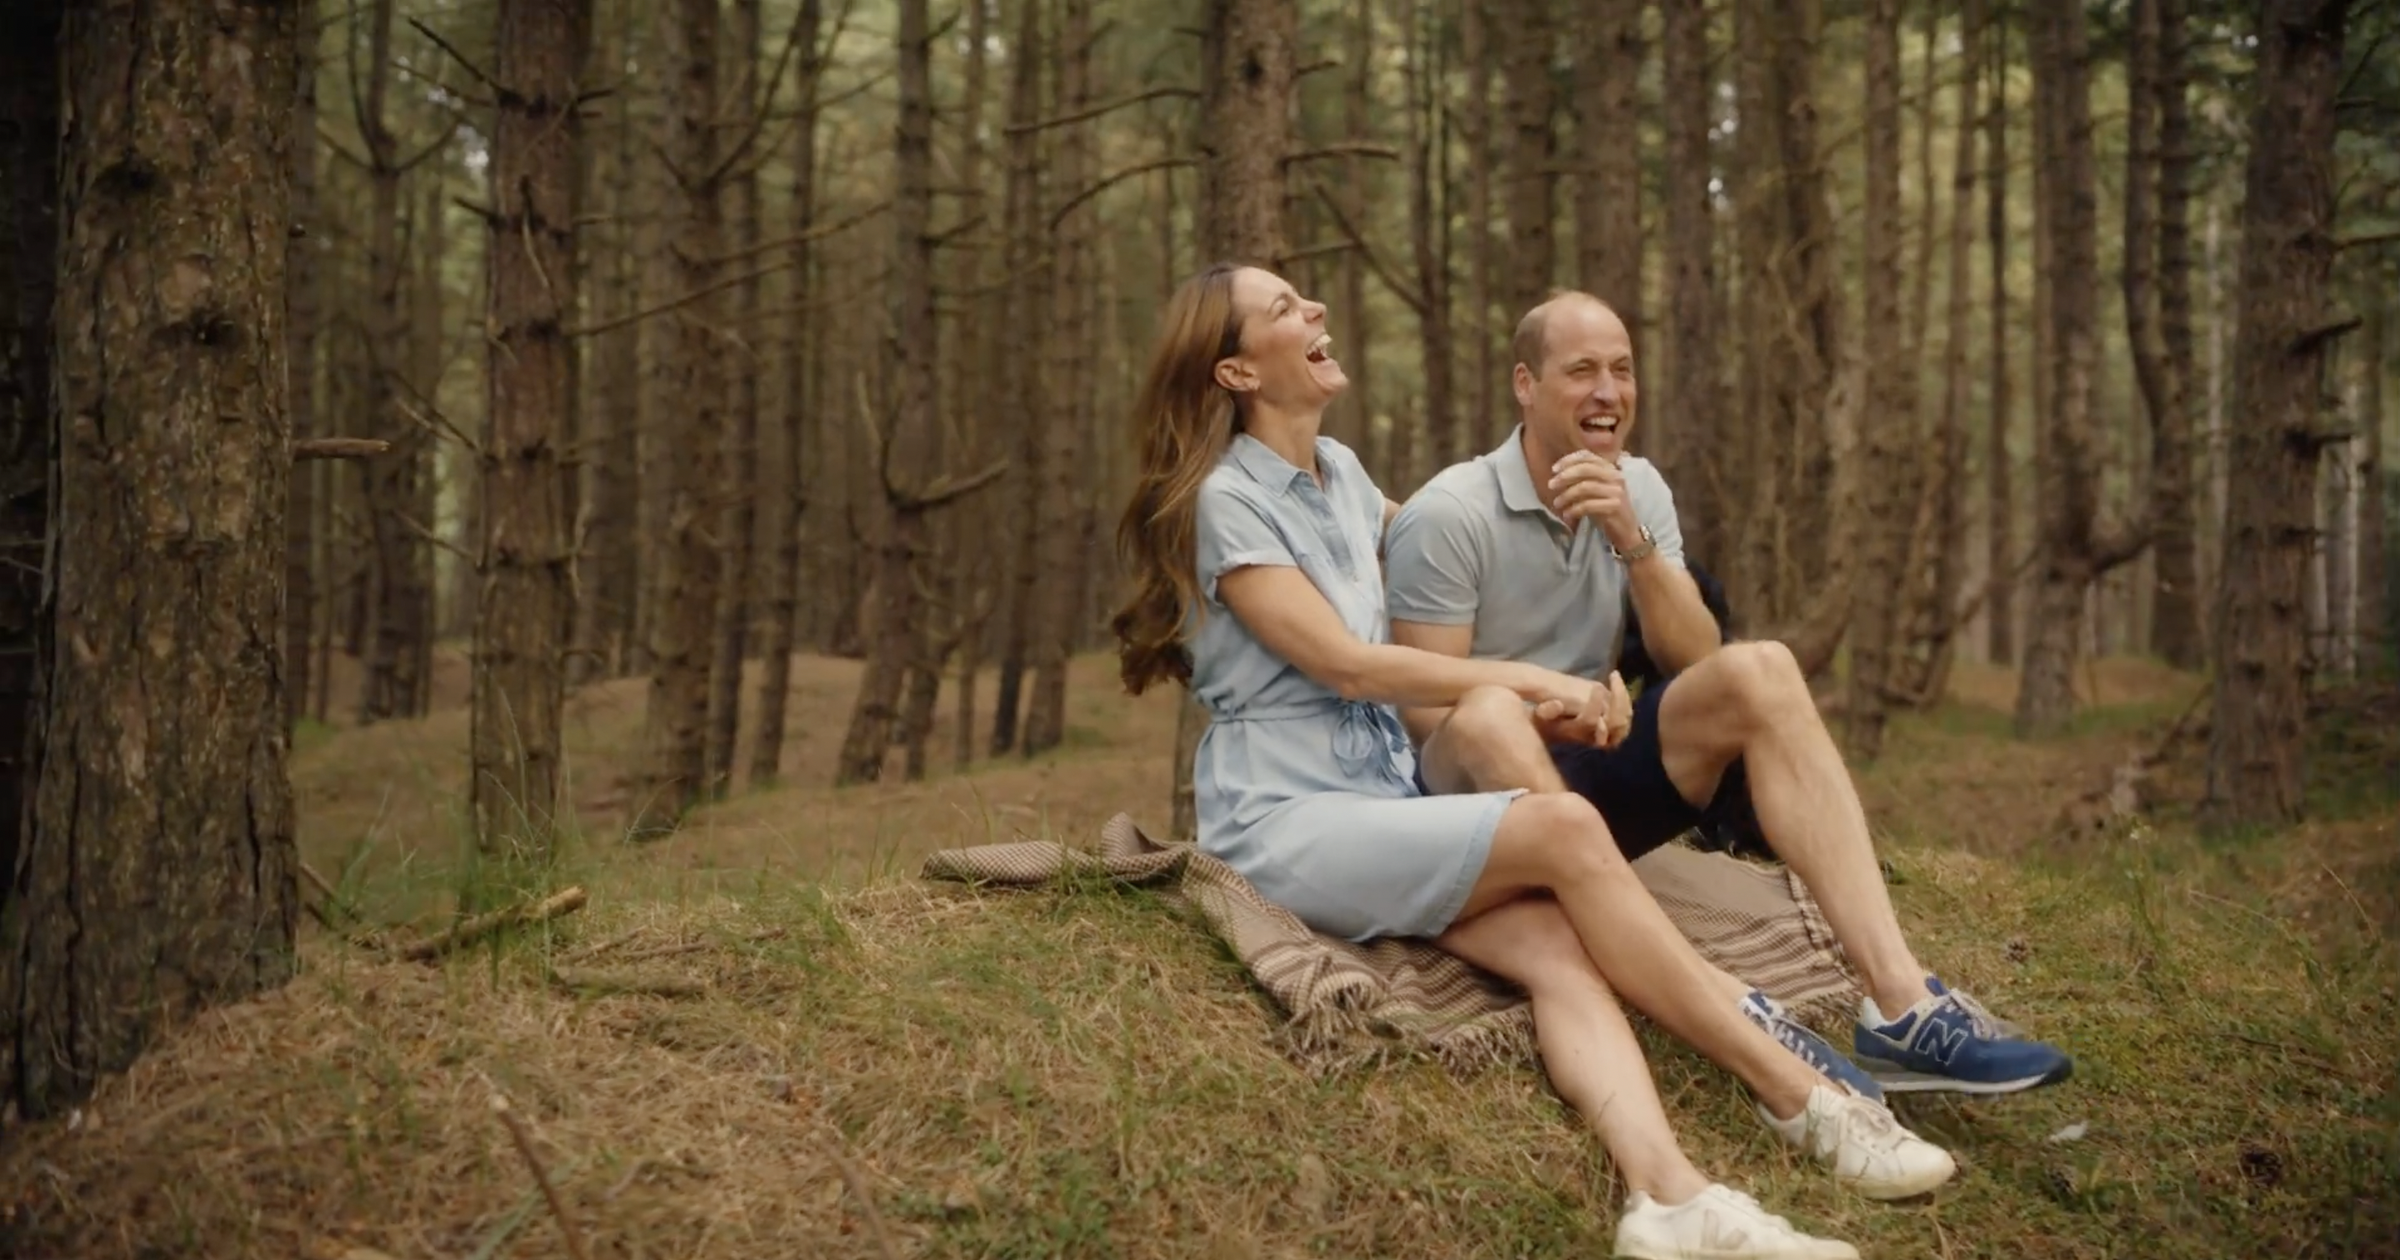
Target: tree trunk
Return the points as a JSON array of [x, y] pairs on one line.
[[1888, 448], [611, 551], [2074, 551], [392, 594], [2000, 555], [2374, 580], [1066, 478], [300, 592], [1248, 81], [524, 567], [2256, 737], [1938, 549], [1021, 377], [974, 583], [785, 495], [2176, 630], [1475, 127], [1352, 417], [1813, 309], [1759, 442], [429, 241], [674, 772], [29, 131], [1428, 216], [1531, 153], [158, 875], [1693, 381], [1608, 205], [2155, 370], [739, 491], [906, 460]]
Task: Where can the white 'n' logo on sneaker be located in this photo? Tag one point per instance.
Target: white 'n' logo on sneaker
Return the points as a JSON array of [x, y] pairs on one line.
[[1716, 1235], [1940, 1043]]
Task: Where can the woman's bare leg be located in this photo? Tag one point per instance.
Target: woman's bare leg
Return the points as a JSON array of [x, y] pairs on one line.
[[1555, 842], [1588, 1048]]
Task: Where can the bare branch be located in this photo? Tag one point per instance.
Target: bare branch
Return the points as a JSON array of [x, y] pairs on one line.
[[1411, 293], [946, 488], [338, 448], [675, 303], [1112, 179], [1105, 107], [815, 231], [2371, 238], [541, 1175], [1344, 148], [459, 57]]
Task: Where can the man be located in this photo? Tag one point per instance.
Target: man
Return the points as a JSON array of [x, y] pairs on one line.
[[1530, 553]]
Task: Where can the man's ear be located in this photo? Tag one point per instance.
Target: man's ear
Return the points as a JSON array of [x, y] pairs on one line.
[[1235, 375], [1521, 381]]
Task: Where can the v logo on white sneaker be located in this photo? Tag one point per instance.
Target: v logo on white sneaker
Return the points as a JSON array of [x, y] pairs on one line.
[[1717, 1235]]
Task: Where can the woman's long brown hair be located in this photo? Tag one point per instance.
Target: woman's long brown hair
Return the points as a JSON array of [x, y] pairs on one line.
[[1186, 421]]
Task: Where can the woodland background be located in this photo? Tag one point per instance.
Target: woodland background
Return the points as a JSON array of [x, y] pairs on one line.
[[443, 442]]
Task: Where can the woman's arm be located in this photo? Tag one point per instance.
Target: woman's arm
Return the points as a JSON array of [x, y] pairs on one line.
[[1290, 616]]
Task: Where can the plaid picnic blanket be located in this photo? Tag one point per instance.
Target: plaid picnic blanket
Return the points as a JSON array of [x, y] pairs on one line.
[[1346, 1002]]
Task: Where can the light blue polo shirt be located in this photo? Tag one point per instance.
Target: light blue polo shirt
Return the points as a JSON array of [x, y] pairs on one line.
[[1476, 547]]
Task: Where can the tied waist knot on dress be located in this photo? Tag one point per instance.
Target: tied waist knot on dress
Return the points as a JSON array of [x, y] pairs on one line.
[[1367, 737]]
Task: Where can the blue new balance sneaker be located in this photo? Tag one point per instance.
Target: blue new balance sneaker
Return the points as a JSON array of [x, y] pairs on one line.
[[1948, 1042], [1813, 1050]]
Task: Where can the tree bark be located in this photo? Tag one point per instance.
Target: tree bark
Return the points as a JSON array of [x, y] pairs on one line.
[[1608, 205], [1693, 383], [2154, 368], [1888, 448], [674, 773], [1938, 548], [1022, 374], [158, 875], [2000, 555], [1065, 475], [1428, 233], [1248, 80], [300, 592], [524, 606], [1527, 102], [394, 594], [2256, 737], [786, 493], [2374, 614], [29, 132], [2176, 631], [905, 462], [2074, 551], [739, 490], [1475, 130]]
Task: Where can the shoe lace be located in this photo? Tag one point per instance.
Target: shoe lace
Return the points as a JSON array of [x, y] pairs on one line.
[[1983, 1022], [1873, 1122], [1753, 1205]]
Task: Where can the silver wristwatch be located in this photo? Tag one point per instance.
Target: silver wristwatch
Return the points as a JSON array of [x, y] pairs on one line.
[[1642, 550]]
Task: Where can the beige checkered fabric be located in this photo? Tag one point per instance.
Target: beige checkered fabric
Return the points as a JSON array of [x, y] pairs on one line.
[[1345, 1002]]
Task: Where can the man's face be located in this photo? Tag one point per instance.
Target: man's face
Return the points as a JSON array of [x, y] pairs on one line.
[[1583, 400]]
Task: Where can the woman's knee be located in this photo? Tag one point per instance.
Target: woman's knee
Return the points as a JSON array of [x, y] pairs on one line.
[[1559, 840]]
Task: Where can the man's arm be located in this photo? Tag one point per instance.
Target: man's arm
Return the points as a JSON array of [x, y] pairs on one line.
[[1677, 627]]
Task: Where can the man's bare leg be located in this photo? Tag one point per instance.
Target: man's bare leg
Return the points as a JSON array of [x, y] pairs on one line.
[[1588, 1048], [1750, 701]]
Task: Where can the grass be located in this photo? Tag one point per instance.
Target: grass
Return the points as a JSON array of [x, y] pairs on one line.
[[1085, 1073]]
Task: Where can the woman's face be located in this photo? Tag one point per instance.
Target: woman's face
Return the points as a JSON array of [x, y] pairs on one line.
[[1285, 359]]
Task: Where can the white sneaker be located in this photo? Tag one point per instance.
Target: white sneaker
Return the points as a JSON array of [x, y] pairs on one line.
[[1719, 1223], [1867, 1147]]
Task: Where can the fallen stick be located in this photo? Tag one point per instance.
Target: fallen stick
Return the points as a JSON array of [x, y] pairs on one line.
[[593, 980], [857, 1181], [541, 1175], [483, 925]]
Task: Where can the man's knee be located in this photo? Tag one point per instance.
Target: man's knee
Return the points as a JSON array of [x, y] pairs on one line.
[[1760, 676]]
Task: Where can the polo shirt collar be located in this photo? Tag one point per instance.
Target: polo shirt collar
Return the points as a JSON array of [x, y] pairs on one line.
[[1516, 482], [1268, 468]]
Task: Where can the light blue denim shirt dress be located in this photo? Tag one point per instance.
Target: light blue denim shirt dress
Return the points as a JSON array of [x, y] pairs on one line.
[[1312, 797]]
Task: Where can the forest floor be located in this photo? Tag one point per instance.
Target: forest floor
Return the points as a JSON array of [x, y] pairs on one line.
[[856, 1063]]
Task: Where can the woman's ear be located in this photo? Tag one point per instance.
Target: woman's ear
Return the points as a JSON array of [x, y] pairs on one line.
[[1236, 376]]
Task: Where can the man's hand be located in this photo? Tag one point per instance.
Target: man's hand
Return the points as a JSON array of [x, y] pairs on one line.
[[1609, 731], [1588, 486]]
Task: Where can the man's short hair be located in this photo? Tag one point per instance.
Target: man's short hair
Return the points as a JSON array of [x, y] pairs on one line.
[[1532, 341]]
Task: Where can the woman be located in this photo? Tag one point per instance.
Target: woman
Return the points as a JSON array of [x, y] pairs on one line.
[[1254, 546]]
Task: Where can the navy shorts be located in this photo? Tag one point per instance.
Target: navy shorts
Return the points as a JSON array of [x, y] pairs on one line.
[[1630, 787]]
